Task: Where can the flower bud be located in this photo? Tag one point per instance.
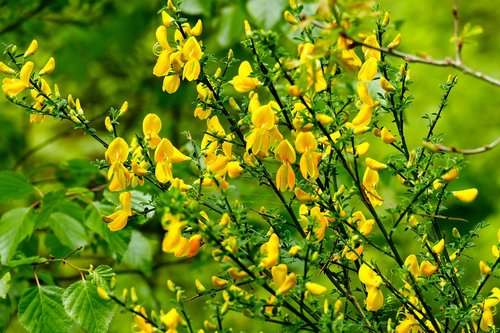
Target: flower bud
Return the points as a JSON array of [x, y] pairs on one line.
[[32, 48], [484, 268], [386, 19], [103, 293], [439, 247]]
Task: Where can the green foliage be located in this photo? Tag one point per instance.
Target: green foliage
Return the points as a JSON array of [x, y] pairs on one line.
[[14, 186], [83, 304], [40, 310], [15, 226]]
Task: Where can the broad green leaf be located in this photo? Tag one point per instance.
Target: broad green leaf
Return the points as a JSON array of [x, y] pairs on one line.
[[117, 240], [76, 172], [14, 186], [266, 13], [139, 253], [102, 275], [4, 285], [69, 231], [50, 202], [230, 25], [26, 261], [15, 226], [83, 304], [40, 310]]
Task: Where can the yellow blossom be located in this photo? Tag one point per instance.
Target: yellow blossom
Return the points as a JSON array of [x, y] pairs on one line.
[[49, 67], [32, 48], [12, 87], [450, 175], [375, 165], [171, 83], [386, 136], [386, 85], [171, 319], [118, 220], [197, 29], [151, 126], [315, 288], [395, 42], [439, 247], [165, 155], [285, 177], [218, 282], [372, 282], [6, 69], [427, 269], [242, 82], [370, 182], [271, 250], [466, 195], [484, 268], [371, 52], [306, 143], [368, 70], [363, 94], [290, 18], [116, 155], [265, 131]]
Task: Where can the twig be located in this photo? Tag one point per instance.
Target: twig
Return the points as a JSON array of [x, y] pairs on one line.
[[446, 62], [451, 149]]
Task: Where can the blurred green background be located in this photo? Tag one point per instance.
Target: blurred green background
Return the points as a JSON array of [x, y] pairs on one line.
[[103, 52]]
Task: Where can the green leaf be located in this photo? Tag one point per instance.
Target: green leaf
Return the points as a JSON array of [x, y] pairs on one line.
[[230, 25], [69, 231], [15, 226], [14, 186], [117, 240], [4, 285], [139, 254], [84, 305], [265, 12], [40, 310], [102, 275]]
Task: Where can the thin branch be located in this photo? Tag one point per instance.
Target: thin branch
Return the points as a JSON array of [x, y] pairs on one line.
[[451, 149], [446, 62]]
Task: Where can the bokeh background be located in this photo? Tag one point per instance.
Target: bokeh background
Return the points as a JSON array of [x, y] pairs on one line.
[[103, 52]]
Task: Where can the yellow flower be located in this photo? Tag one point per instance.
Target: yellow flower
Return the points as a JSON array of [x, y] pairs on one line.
[[370, 182], [285, 177], [450, 175], [141, 323], [271, 250], [316, 289], [151, 126], [487, 318], [427, 269], [171, 319], [363, 94], [371, 52], [32, 48], [466, 195], [364, 226], [242, 82], [218, 282], [439, 247], [368, 70], [386, 136], [372, 282], [116, 155], [306, 143], [12, 87], [118, 220], [265, 131], [283, 282], [49, 67], [6, 69], [165, 155], [386, 85], [171, 83], [375, 165], [197, 29], [411, 263], [484, 268], [395, 42]]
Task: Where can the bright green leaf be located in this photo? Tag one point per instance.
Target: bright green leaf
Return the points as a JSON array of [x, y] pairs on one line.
[[265, 12], [117, 240], [69, 231], [15, 226], [14, 186], [84, 305], [139, 253], [40, 310], [102, 275], [4, 285], [230, 25]]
